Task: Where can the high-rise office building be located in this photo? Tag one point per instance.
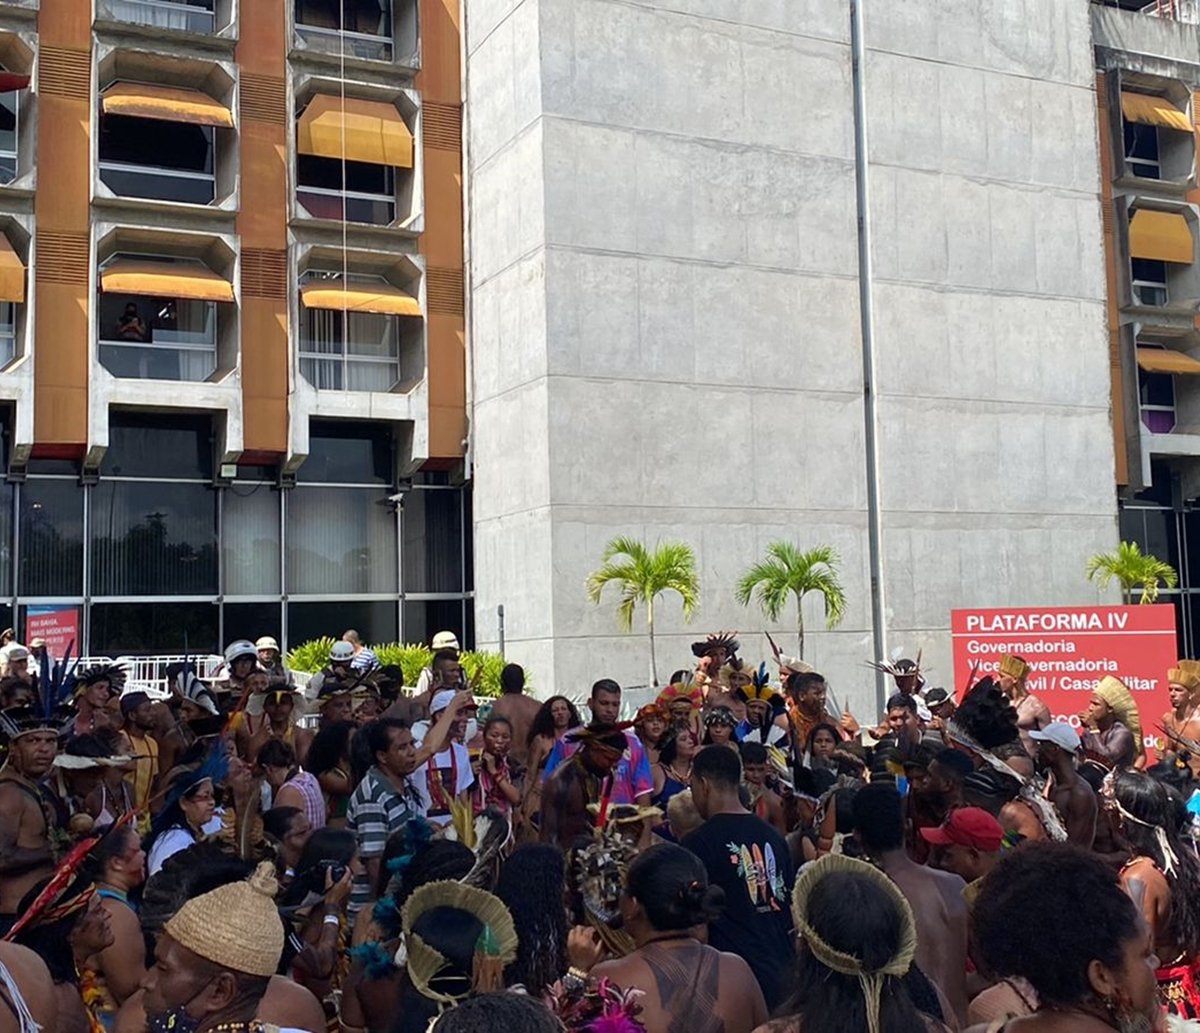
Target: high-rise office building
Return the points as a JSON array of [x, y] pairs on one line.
[[232, 322]]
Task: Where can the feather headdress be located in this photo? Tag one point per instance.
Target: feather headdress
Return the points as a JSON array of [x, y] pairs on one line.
[[726, 640], [761, 690], [49, 711]]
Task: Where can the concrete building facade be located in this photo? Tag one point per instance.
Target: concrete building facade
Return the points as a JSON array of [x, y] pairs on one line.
[[666, 330], [232, 331]]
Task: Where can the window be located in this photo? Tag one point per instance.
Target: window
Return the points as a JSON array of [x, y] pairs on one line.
[[367, 194], [343, 452], [158, 160], [1149, 281], [119, 628], [51, 538], [1156, 397], [147, 333], [8, 332], [353, 28], [185, 15], [8, 136], [341, 541], [350, 351], [1141, 150], [153, 538]]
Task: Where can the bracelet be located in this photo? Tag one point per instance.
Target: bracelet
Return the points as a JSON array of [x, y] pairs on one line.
[[575, 979], [331, 920]]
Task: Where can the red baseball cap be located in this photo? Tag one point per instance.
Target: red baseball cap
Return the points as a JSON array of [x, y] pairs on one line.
[[967, 826]]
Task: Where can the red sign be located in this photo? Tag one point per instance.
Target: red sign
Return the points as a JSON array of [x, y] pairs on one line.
[[58, 625], [1070, 648]]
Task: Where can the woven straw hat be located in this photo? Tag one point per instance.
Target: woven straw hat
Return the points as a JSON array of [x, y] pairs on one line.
[[235, 925]]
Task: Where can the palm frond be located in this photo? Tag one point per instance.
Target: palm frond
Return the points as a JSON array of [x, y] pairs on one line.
[[789, 570]]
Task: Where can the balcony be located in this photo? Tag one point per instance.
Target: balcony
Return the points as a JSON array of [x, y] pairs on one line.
[[197, 16], [355, 332], [346, 28], [158, 318], [1187, 11]]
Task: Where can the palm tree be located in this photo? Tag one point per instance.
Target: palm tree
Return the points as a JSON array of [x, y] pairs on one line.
[[1133, 569], [643, 576], [788, 570]]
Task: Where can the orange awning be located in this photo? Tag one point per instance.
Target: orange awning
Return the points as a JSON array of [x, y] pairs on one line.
[[359, 297], [165, 103], [1163, 360], [12, 273], [164, 279], [358, 130], [1162, 236], [1153, 111]]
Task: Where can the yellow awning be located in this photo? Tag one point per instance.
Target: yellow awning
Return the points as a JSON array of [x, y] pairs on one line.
[[165, 103], [358, 297], [1154, 111], [12, 273], [370, 130], [1163, 360], [164, 279], [1163, 236]]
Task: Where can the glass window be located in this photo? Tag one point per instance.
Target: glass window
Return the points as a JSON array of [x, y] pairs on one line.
[[251, 540], [374, 621], [51, 538], [253, 620], [424, 618], [1191, 529], [345, 452], [350, 351], [1156, 389], [346, 191], [153, 338], [153, 538], [153, 627], [366, 27], [432, 523], [8, 332], [158, 445], [340, 541], [1141, 150], [184, 15], [1149, 281], [8, 140], [155, 159]]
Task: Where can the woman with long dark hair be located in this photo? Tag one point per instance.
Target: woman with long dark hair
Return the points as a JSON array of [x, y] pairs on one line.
[[556, 717], [674, 766], [857, 940], [182, 822], [1168, 873], [329, 760], [688, 984], [532, 884]]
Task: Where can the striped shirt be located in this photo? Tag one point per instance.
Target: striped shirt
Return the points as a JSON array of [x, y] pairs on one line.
[[375, 811], [364, 660]]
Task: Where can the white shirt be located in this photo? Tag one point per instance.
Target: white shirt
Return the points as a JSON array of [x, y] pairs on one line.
[[464, 780]]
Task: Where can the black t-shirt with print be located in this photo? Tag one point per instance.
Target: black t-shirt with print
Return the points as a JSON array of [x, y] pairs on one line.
[[749, 860]]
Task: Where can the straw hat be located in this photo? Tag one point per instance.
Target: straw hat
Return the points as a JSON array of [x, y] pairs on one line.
[[235, 926], [424, 962], [1116, 694], [1014, 667], [1185, 673]]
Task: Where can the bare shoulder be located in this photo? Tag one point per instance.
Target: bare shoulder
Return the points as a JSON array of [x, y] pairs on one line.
[[287, 1003], [32, 977]]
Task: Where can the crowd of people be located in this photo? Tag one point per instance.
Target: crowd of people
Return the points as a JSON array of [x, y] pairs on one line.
[[262, 851]]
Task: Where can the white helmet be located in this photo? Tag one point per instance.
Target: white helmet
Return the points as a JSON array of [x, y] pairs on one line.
[[267, 642], [241, 648], [341, 652]]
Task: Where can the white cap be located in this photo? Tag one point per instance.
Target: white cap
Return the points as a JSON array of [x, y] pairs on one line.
[[1060, 734], [267, 642], [441, 700], [15, 651], [445, 640]]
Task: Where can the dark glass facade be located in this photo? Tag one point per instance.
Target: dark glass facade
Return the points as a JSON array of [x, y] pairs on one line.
[[156, 550]]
